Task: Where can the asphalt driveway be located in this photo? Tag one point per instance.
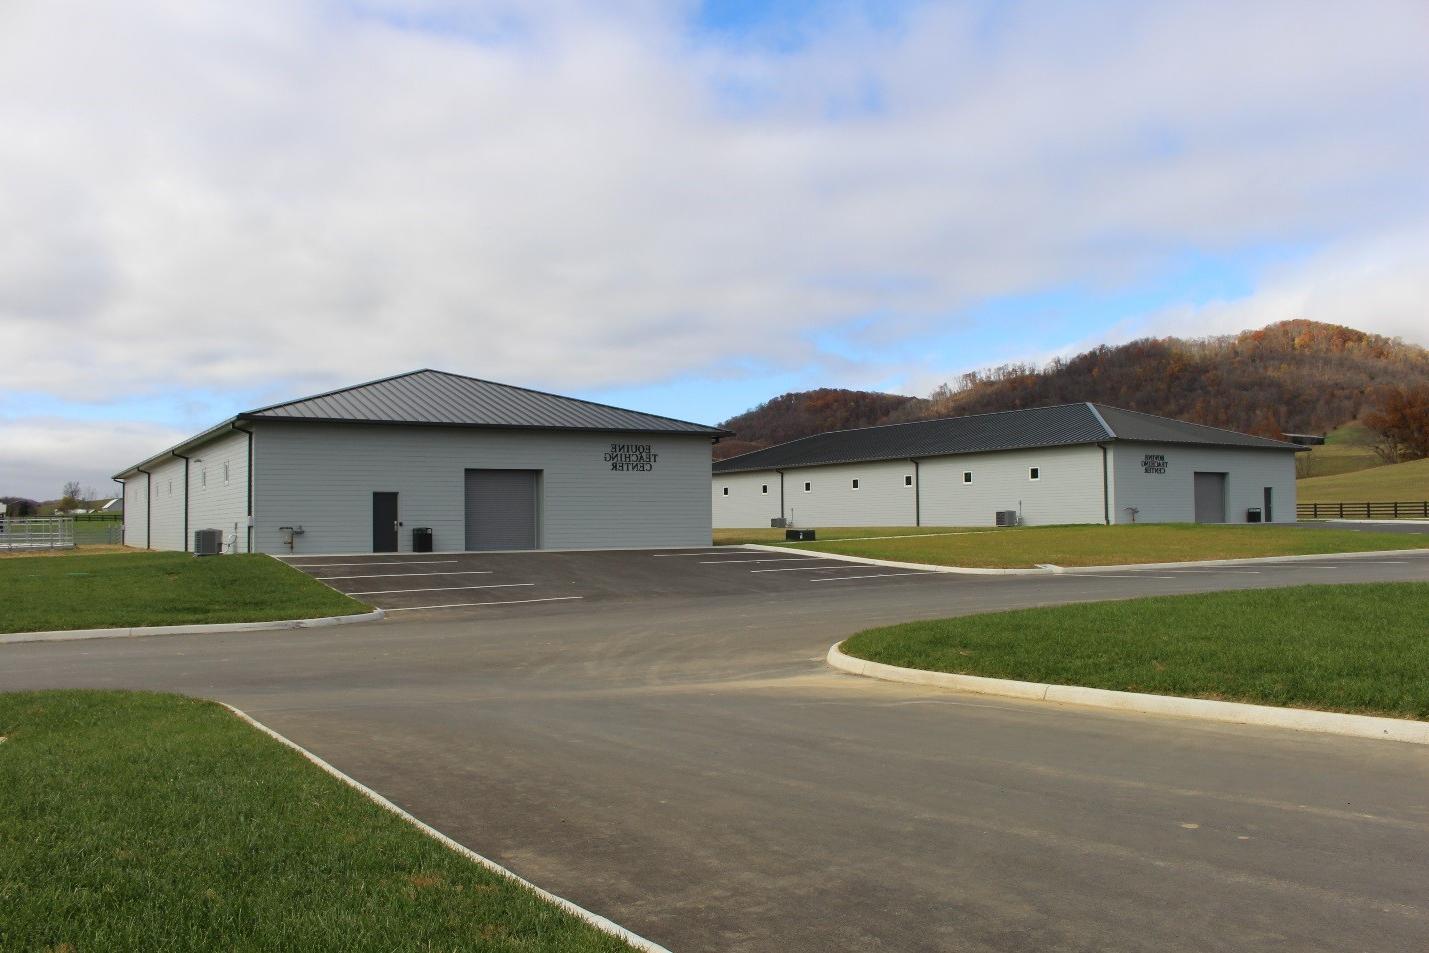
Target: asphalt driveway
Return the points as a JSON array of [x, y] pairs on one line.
[[670, 751]]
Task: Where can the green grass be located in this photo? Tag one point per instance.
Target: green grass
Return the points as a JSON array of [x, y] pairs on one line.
[[1397, 482], [128, 589], [1346, 449], [1351, 648], [731, 537], [140, 822], [1027, 546]]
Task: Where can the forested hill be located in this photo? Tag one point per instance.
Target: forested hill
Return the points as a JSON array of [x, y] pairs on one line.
[[1294, 376]]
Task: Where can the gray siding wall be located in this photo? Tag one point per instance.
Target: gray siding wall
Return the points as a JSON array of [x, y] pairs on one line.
[[322, 477], [1068, 488], [745, 505], [831, 500], [167, 501], [212, 505], [1170, 498], [136, 510], [215, 503]]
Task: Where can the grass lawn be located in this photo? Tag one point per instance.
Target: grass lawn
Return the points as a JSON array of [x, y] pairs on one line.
[[731, 537], [1397, 482], [138, 821], [1353, 648], [1345, 450], [126, 589], [1027, 546]]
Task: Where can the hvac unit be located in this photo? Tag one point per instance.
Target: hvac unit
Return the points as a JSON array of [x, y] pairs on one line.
[[778, 522], [1007, 518], [208, 542]]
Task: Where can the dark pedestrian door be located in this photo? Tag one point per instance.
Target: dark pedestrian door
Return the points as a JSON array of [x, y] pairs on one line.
[[1269, 514], [384, 522], [1210, 497], [501, 509]]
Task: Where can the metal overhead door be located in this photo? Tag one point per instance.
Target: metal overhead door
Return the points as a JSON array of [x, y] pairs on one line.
[[501, 509], [1210, 497]]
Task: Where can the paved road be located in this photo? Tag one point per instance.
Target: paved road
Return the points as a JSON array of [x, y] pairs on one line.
[[669, 750]]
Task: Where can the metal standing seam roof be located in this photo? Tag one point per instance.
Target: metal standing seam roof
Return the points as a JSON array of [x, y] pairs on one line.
[[440, 399], [1063, 425]]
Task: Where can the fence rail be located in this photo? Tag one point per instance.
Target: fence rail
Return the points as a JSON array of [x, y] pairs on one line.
[[1363, 511], [36, 532]]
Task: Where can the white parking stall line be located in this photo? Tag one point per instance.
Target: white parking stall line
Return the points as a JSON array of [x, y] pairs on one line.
[[389, 575], [777, 559], [463, 605], [395, 562], [1217, 572], [712, 552], [802, 569], [494, 585], [881, 575], [1384, 562]]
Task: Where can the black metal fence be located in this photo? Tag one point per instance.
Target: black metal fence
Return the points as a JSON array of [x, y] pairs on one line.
[[1363, 511]]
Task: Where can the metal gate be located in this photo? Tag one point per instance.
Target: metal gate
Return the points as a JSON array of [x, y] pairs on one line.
[[1210, 491], [501, 509]]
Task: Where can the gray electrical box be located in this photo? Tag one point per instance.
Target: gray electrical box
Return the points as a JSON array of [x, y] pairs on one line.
[[208, 542]]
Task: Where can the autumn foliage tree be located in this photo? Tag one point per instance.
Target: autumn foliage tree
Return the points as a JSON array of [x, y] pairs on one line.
[[1400, 420]]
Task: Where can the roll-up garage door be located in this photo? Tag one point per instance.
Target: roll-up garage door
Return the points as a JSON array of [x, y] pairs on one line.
[[1210, 497], [501, 509]]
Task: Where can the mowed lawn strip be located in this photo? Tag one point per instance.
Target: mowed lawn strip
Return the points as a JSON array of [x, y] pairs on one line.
[[1028, 546], [1348, 648], [133, 589], [729, 537], [137, 822]]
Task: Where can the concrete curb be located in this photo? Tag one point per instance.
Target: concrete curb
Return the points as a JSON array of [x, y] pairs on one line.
[[891, 564], [594, 919], [1298, 719], [67, 635], [1049, 569]]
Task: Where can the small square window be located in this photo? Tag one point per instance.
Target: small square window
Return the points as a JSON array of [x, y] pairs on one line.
[[855, 484], [967, 476], [764, 488], [908, 480], [1034, 473], [726, 491], [808, 487]]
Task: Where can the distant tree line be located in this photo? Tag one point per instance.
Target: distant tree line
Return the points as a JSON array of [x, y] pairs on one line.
[[1291, 377]]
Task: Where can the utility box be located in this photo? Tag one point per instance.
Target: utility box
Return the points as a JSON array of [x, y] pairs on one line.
[[208, 542], [422, 539], [799, 535], [778, 522], [1253, 514], [1007, 518]]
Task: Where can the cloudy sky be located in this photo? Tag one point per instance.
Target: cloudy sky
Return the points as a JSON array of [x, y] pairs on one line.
[[681, 207]]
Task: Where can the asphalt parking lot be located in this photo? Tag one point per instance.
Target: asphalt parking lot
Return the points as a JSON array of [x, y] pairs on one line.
[[671, 751], [486, 581]]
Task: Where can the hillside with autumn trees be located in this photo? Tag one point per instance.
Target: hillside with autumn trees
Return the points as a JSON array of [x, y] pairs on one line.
[[1290, 377]]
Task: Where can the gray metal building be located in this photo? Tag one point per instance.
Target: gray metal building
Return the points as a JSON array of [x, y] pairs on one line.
[[1075, 463], [483, 466]]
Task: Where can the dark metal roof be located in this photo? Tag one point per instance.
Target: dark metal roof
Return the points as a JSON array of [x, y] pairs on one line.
[[1063, 425], [436, 398]]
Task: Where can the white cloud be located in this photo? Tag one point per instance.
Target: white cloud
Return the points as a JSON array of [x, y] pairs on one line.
[[42, 454], [210, 194]]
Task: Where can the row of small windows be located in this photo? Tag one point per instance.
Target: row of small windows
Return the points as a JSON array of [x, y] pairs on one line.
[[1033, 473], [203, 481]]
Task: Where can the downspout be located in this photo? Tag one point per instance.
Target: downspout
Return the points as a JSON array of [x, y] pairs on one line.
[[1106, 494], [185, 544], [917, 494], [248, 548], [148, 507]]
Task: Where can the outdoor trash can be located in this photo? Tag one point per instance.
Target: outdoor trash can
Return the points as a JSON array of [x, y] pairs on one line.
[[422, 539]]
